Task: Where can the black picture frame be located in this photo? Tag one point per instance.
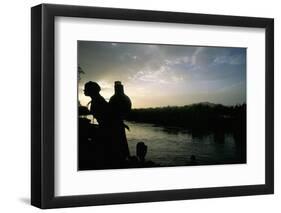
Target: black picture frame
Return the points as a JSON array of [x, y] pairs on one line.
[[43, 102]]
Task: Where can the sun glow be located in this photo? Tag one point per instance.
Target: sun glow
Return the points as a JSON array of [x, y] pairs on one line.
[[162, 75]]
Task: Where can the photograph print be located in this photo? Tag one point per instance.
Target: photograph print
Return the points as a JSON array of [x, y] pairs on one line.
[[160, 105]]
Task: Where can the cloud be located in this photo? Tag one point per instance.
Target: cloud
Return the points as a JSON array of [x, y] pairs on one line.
[[234, 60], [163, 75], [176, 68]]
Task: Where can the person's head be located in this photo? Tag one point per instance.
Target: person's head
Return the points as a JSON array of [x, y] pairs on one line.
[[141, 150], [91, 89], [118, 87]]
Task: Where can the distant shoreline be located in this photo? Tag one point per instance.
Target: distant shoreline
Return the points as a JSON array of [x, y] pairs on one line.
[[202, 116], [206, 103]]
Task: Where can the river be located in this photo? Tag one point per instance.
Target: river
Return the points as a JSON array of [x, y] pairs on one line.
[[174, 147]]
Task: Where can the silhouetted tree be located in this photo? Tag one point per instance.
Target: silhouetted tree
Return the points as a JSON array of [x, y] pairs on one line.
[[80, 71], [202, 116]]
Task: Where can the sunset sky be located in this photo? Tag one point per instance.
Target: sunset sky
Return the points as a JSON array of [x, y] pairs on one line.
[[160, 75]]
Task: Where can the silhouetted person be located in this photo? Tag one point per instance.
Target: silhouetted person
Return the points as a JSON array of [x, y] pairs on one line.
[[120, 102], [120, 105], [99, 107], [100, 110], [141, 151]]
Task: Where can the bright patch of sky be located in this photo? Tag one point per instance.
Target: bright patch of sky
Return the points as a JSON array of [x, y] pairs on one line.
[[161, 75]]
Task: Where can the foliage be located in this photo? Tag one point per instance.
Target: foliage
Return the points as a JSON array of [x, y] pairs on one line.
[[204, 116]]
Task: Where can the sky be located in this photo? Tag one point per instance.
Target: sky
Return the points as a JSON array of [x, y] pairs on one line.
[[156, 75]]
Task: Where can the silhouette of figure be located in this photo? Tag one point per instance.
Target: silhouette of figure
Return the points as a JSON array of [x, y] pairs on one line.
[[120, 105], [120, 102], [100, 110], [99, 107], [141, 151]]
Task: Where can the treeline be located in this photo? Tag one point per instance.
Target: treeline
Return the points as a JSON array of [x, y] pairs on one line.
[[202, 116]]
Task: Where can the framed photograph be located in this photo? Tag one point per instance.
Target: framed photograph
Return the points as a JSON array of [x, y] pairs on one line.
[[139, 106]]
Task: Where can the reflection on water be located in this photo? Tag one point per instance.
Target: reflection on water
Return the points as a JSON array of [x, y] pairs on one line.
[[175, 147]]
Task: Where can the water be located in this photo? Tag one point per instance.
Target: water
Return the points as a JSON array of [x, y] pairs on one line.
[[174, 147]]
